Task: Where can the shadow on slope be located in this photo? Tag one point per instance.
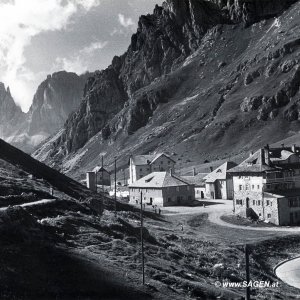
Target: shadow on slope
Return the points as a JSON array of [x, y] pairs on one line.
[[32, 267]]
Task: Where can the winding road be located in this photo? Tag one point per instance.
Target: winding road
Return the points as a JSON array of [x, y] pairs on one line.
[[289, 272], [216, 210]]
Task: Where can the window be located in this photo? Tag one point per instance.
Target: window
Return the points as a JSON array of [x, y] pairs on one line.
[[169, 199], [247, 187], [253, 202], [239, 202], [161, 162], [190, 198], [177, 189], [258, 186], [169, 162], [141, 170], [188, 187], [252, 186], [268, 202], [269, 216], [258, 202], [240, 187]]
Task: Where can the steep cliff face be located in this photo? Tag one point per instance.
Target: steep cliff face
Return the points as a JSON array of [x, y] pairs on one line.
[[56, 98], [203, 79]]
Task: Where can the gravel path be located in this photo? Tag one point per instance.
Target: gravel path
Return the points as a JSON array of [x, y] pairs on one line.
[[43, 201]]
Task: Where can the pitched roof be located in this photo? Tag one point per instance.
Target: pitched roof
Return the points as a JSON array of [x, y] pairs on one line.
[[159, 180], [220, 173], [197, 180], [99, 169], [252, 164], [141, 160]]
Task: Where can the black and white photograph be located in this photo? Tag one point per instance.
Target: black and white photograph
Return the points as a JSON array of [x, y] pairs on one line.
[[149, 149]]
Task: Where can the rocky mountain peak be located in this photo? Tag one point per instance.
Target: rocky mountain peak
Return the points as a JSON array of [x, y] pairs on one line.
[[55, 98]]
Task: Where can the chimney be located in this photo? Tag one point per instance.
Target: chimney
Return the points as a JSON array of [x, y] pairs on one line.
[[171, 171], [91, 181], [294, 148], [266, 155], [194, 172], [211, 169], [251, 153]]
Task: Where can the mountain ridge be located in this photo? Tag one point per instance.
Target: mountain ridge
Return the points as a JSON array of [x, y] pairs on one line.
[[191, 84]]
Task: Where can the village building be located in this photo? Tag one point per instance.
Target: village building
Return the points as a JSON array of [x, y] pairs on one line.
[[162, 189], [267, 185], [102, 175], [197, 179], [142, 165], [219, 183]]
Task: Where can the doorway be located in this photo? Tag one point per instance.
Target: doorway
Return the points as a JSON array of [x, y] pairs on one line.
[[247, 203]]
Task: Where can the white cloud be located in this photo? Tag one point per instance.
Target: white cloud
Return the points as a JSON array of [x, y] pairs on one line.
[[78, 62], [74, 64], [20, 21], [125, 22], [93, 47]]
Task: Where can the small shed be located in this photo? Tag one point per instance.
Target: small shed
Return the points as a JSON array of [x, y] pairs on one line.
[[102, 175]]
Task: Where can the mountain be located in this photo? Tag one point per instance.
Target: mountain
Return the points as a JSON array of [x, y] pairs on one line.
[[10, 113], [56, 97], [201, 80]]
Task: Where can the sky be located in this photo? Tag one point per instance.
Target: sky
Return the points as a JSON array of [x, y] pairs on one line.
[[40, 37]]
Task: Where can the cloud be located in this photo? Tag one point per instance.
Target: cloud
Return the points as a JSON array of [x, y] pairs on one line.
[[93, 47], [79, 61], [20, 21], [125, 22]]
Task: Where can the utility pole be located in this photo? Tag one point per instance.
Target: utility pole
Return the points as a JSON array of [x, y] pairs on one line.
[[115, 186], [102, 174], [247, 272], [96, 175], [142, 240]]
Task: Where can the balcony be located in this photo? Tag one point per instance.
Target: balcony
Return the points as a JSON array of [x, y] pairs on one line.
[[284, 179]]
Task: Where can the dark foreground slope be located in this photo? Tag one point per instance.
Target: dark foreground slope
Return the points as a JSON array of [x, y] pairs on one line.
[[201, 81]]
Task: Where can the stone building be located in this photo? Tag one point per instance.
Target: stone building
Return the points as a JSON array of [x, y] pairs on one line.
[[197, 179], [142, 165], [162, 189], [219, 184], [267, 185]]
